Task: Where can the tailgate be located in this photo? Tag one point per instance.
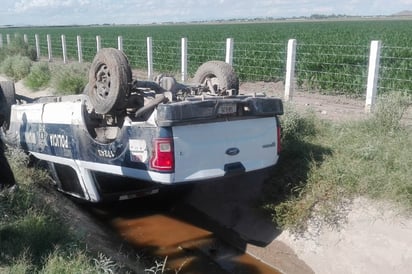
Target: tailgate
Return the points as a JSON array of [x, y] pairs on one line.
[[208, 150]]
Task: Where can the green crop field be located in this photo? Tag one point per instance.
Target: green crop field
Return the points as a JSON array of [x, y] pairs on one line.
[[332, 56]]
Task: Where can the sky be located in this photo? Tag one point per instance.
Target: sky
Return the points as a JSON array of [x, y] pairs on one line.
[[82, 12]]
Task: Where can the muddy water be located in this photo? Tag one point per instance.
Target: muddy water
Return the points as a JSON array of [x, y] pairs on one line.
[[181, 239], [184, 247]]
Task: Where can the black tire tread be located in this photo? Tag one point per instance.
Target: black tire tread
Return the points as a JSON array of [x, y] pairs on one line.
[[121, 77], [7, 98], [224, 72]]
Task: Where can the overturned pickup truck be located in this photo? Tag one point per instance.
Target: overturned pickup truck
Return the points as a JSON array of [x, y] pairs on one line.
[[124, 138]]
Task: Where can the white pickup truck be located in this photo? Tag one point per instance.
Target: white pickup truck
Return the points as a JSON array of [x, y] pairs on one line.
[[124, 138]]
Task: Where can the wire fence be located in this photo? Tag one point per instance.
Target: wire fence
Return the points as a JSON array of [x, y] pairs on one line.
[[328, 68], [396, 69]]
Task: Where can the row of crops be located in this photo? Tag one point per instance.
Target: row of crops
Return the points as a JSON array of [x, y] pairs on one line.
[[331, 56]]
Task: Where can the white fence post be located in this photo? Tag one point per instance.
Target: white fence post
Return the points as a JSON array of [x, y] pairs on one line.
[[149, 44], [37, 41], [49, 47], [1, 40], [184, 59], [8, 39], [290, 70], [98, 43], [120, 43], [229, 51], [25, 39], [79, 48], [64, 48], [373, 75]]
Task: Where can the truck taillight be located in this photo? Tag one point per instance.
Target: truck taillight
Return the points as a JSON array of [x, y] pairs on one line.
[[279, 137], [163, 155]]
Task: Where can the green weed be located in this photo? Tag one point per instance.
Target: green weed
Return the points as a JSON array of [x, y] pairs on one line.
[[17, 46], [74, 262], [20, 265], [389, 111], [29, 172], [320, 172], [35, 233], [69, 79], [297, 126], [39, 76], [16, 67], [33, 238]]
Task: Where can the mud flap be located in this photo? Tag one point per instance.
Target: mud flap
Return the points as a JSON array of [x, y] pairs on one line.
[[234, 169]]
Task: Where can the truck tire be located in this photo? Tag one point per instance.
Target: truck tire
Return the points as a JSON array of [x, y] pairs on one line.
[[7, 98], [220, 73], [109, 79], [7, 177]]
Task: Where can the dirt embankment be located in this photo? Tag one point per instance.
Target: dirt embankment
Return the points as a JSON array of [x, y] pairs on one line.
[[375, 237]]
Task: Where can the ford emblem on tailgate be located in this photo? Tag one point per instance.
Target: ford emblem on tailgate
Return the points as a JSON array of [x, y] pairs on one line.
[[232, 151]]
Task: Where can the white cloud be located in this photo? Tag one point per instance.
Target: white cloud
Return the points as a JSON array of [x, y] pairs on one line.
[[43, 12], [30, 5]]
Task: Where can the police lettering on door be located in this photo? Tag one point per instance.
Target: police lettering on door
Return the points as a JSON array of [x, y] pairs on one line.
[[59, 140]]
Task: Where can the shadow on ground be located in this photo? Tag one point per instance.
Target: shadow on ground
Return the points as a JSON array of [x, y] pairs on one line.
[[177, 236], [236, 204], [291, 174], [210, 225]]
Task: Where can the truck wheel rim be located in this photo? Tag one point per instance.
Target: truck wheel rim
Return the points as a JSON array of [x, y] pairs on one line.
[[103, 82]]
